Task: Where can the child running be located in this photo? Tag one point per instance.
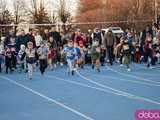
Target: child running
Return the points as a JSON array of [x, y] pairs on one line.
[[70, 54], [31, 57], [8, 60], [42, 53], [22, 63], [52, 53], [78, 55], [2, 52], [83, 52], [126, 53], [148, 50], [95, 56], [51, 57]]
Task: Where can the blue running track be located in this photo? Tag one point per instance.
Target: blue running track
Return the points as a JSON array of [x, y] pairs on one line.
[[113, 94]]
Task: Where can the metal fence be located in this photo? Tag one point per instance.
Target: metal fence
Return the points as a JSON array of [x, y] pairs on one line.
[[84, 26]]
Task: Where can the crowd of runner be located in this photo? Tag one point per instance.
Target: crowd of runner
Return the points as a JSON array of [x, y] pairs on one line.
[[24, 52]]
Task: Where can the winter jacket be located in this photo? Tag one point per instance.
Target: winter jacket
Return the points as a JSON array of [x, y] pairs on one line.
[[21, 40], [31, 39], [56, 36], [97, 36], [108, 40], [42, 52], [38, 40]]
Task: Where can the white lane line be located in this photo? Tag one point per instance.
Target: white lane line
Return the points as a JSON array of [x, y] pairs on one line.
[[125, 80], [115, 78], [103, 90], [145, 67], [133, 81], [84, 85], [132, 76], [48, 99], [151, 75], [122, 92]]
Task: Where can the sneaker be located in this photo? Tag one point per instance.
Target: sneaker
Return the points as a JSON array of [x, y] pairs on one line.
[[20, 71], [92, 66], [102, 64], [52, 69], [129, 70], [98, 70], [42, 74], [55, 66], [75, 69], [77, 66], [82, 67], [117, 61], [121, 65], [61, 64], [151, 67], [26, 71], [72, 72], [68, 73]]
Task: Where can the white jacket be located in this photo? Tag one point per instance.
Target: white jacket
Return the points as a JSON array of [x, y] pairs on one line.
[[38, 40], [1, 49]]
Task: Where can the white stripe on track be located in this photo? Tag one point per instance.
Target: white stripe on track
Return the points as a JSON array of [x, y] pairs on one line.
[[131, 81], [129, 95], [85, 85], [102, 90], [48, 99], [144, 67], [132, 76]]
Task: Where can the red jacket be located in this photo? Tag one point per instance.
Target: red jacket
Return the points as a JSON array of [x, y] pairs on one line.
[[51, 53], [148, 46], [79, 39]]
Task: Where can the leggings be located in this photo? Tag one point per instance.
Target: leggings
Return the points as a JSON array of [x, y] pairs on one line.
[[30, 70], [110, 54], [43, 65], [70, 65]]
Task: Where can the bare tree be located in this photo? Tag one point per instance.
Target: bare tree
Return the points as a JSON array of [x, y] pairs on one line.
[[38, 12], [5, 18], [63, 14], [19, 11], [53, 18], [2, 6], [3, 11]]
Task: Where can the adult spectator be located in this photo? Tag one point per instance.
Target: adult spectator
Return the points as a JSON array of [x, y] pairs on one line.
[[97, 36], [7, 40], [2, 51], [45, 35], [31, 37], [143, 37], [21, 39], [38, 39], [130, 38], [79, 37], [108, 43], [88, 38], [56, 36]]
